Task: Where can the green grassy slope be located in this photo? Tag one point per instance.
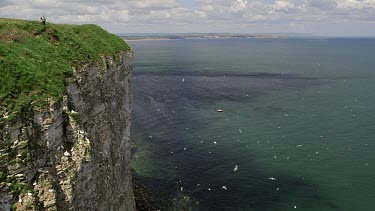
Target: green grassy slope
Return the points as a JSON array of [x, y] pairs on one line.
[[34, 60]]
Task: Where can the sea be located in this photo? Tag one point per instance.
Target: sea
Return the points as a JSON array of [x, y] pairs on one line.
[[296, 131]]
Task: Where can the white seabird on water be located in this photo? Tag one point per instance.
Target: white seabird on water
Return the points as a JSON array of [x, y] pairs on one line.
[[235, 168], [272, 178]]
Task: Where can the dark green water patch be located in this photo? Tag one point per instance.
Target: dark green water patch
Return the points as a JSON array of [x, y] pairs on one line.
[[180, 160]]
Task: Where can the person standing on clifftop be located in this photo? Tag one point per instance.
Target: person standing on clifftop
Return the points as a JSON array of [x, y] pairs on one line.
[[43, 20]]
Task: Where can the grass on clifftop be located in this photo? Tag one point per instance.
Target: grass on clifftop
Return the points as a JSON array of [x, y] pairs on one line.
[[34, 60]]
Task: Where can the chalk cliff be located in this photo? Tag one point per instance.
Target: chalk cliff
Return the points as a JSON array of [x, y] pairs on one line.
[[73, 154]]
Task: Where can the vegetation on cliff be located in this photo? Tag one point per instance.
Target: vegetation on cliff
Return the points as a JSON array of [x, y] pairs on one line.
[[36, 59]]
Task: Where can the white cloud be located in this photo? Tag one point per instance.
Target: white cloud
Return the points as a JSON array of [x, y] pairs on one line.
[[153, 4], [238, 5], [283, 5], [213, 15], [355, 4]]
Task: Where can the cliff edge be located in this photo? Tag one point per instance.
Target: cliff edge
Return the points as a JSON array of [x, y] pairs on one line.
[[66, 100]]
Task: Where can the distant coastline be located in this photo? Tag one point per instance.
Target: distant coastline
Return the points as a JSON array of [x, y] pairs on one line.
[[179, 37]]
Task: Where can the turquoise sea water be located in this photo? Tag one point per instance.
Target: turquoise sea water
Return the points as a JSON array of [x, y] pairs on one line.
[[298, 122]]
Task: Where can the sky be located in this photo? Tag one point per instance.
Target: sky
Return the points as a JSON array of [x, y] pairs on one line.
[[313, 17]]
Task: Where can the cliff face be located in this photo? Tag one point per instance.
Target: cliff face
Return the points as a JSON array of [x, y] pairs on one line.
[[75, 154]]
